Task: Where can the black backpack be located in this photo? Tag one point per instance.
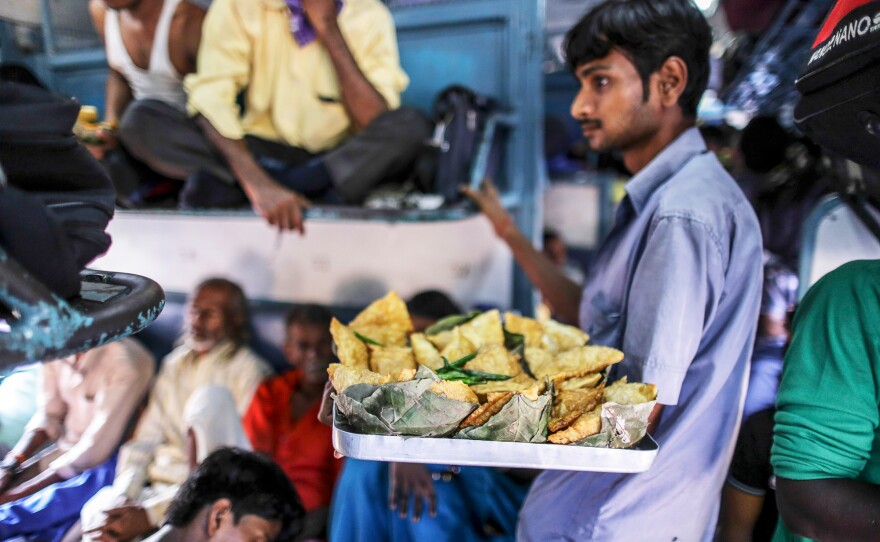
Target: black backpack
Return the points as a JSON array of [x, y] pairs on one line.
[[460, 118], [840, 85]]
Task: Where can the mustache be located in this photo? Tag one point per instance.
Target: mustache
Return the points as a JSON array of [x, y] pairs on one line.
[[591, 124]]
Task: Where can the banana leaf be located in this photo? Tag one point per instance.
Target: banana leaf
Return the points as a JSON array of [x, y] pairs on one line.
[[402, 408], [446, 324], [622, 426], [520, 420]]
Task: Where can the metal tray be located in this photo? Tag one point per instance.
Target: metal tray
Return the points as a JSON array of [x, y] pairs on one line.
[[450, 451]]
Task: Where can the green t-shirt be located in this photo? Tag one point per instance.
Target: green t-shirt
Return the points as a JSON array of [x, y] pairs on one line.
[[827, 419]]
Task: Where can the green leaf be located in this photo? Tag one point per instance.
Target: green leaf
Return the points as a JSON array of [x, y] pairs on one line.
[[514, 342], [459, 363], [450, 322], [368, 340]]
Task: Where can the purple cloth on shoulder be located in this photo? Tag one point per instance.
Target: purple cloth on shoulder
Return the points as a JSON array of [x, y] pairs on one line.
[[302, 30]]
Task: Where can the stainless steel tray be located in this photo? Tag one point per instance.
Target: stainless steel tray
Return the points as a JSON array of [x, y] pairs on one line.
[[449, 451]]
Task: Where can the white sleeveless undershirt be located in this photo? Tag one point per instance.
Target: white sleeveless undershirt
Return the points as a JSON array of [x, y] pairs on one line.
[[160, 81]]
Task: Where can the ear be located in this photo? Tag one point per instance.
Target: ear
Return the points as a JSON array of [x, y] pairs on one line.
[[219, 511], [672, 80]]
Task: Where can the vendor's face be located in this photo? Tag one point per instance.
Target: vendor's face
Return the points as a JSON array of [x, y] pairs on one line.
[[309, 348], [610, 107]]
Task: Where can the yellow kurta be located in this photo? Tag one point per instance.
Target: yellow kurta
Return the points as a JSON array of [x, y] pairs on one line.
[[292, 92]]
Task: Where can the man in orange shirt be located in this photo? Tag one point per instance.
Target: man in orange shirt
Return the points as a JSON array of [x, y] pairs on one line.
[[282, 420]]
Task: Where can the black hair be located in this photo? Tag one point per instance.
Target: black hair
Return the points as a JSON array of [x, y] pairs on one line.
[[432, 304], [310, 314], [763, 143], [648, 32], [253, 483], [236, 312]]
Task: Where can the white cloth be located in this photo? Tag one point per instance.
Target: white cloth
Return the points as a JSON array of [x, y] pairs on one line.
[[160, 81], [210, 414], [156, 455], [85, 404]]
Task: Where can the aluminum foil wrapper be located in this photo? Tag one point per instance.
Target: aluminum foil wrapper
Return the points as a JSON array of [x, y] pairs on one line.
[[520, 420], [402, 408], [622, 426]]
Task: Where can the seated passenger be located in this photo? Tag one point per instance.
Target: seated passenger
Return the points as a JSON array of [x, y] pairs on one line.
[[318, 121], [233, 495], [154, 463], [402, 502], [84, 405], [151, 45], [282, 421]]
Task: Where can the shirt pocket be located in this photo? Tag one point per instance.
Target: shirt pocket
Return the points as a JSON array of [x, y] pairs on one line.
[[604, 320]]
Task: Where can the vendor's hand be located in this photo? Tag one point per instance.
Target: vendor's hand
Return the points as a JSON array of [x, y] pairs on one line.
[[321, 13], [122, 523], [411, 479], [325, 413], [280, 207], [489, 202]]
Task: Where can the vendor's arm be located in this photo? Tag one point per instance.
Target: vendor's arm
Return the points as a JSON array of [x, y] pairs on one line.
[[560, 292], [361, 99], [827, 415], [676, 287]]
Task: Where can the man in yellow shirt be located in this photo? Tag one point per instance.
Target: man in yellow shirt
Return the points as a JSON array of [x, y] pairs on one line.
[[321, 83]]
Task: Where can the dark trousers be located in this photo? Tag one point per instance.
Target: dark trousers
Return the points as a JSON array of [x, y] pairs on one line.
[[173, 145]]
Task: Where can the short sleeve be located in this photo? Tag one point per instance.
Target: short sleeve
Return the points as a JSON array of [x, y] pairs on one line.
[[675, 289], [827, 414]]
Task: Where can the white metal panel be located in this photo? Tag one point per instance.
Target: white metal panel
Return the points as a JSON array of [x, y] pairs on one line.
[[339, 263], [834, 235], [574, 210], [21, 11]]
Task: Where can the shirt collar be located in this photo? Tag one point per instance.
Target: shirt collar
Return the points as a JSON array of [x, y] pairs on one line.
[[672, 158]]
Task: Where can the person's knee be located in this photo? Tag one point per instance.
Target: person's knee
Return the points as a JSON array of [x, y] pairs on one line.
[[406, 123], [141, 126]]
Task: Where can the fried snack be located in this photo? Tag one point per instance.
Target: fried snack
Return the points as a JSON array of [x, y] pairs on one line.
[[531, 329], [624, 393], [391, 359], [482, 414], [558, 338], [458, 347], [350, 350], [441, 340], [455, 390], [405, 375], [343, 376], [425, 352], [484, 329], [537, 357], [578, 382], [586, 425], [494, 359], [570, 405], [385, 321], [578, 362], [521, 382]]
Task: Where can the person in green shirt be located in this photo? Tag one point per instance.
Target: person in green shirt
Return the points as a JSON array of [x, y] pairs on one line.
[[826, 444]]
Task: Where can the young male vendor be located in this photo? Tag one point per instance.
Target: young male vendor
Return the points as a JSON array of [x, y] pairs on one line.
[[676, 285]]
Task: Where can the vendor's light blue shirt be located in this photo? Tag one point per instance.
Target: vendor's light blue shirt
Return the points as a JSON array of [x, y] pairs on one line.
[[677, 287]]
